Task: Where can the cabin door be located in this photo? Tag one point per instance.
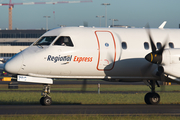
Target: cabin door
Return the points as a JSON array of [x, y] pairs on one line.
[[106, 50]]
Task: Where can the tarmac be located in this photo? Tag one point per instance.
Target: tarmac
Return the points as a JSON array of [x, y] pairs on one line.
[[115, 109]]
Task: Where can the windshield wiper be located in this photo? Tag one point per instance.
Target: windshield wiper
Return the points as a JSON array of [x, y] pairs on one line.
[[39, 45]]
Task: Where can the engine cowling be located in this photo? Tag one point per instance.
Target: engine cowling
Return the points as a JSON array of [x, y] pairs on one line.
[[171, 62]]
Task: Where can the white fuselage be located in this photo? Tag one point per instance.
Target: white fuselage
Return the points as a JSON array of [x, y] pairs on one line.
[[97, 53]]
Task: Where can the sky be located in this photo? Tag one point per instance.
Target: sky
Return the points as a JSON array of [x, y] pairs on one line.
[[135, 13]]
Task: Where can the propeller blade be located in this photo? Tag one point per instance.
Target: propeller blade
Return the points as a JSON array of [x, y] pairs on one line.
[[162, 77], [162, 86], [153, 47], [146, 68], [83, 89], [161, 50], [162, 80], [155, 56], [110, 57]]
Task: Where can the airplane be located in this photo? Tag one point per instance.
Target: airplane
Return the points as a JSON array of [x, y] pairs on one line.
[[112, 54]]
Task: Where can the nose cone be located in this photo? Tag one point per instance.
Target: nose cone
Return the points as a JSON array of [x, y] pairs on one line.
[[148, 57], [154, 58], [14, 64]]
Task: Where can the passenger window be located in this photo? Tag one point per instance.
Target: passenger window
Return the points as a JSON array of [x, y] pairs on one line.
[[46, 40], [146, 45], [158, 44], [64, 41], [171, 45], [124, 45]]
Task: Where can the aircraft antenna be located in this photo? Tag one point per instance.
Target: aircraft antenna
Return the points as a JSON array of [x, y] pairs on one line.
[[11, 5]]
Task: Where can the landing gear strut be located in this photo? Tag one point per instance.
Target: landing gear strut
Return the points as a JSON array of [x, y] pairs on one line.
[[46, 99], [152, 98]]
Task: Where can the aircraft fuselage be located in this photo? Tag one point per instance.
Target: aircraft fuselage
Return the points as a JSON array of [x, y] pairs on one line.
[[94, 53]]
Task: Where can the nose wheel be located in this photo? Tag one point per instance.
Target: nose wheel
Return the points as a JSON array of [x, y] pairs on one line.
[[46, 99]]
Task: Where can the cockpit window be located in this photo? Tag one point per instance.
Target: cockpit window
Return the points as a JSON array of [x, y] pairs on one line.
[[46, 40], [64, 41]]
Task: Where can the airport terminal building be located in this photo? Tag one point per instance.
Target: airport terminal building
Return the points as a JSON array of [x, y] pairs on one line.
[[14, 41]]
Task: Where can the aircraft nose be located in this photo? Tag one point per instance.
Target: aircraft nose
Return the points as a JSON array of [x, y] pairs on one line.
[[14, 64]]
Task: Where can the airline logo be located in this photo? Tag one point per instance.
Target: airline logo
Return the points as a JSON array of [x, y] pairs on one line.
[[82, 59], [69, 58], [59, 58]]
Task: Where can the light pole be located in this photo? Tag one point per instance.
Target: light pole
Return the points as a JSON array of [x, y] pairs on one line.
[[113, 21], [99, 19], [46, 21], [106, 11]]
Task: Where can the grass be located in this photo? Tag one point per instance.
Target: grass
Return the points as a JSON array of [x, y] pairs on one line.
[[11, 97], [31, 98], [86, 117]]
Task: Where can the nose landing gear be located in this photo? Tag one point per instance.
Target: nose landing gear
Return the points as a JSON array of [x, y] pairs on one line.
[[46, 99], [152, 98]]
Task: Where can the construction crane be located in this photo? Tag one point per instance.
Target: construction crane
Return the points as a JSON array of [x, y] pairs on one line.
[[11, 5]]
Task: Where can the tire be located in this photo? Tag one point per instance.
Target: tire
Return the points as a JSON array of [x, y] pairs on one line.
[[146, 98], [46, 101], [152, 98], [41, 101]]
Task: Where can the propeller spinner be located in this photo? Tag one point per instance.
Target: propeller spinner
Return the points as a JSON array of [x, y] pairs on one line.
[[156, 55]]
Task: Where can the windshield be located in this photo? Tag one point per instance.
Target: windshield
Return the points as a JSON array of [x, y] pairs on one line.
[[64, 41], [46, 40]]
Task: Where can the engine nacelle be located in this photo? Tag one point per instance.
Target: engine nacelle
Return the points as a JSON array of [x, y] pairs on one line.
[[171, 56], [171, 62]]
